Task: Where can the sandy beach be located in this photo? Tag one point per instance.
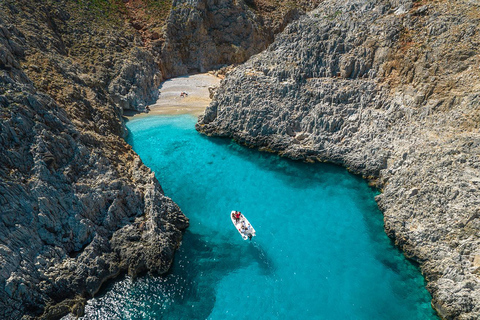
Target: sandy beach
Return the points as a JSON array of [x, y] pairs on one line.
[[171, 100]]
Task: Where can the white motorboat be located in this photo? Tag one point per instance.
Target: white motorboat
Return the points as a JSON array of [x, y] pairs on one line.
[[242, 225]]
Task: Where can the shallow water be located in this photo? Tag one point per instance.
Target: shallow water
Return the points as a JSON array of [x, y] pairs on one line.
[[320, 250]]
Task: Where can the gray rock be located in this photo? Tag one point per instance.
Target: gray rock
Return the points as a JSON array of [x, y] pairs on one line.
[[201, 35], [388, 90], [136, 85], [77, 206]]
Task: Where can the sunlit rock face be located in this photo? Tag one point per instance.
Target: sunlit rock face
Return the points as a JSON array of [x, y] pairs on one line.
[[388, 89], [205, 34]]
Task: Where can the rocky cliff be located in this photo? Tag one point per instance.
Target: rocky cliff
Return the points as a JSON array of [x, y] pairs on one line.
[[390, 90], [201, 35], [77, 205]]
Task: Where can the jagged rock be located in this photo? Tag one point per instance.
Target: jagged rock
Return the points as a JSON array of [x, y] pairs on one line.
[[77, 206], [205, 34], [136, 85], [388, 89]]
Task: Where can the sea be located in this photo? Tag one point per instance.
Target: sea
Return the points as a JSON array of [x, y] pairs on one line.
[[320, 251]]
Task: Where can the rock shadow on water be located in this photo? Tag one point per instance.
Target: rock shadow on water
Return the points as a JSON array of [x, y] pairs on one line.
[[293, 173], [212, 261], [407, 272], [394, 260], [187, 291]]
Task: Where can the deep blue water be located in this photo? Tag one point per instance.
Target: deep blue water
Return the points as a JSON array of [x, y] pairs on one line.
[[320, 250]]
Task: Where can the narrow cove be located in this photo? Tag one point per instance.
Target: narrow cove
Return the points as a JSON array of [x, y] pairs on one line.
[[320, 250]]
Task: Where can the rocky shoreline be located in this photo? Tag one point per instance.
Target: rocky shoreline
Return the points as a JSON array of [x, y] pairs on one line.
[[388, 89], [78, 207]]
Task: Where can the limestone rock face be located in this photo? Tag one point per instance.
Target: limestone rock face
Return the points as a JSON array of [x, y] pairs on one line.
[[389, 89], [136, 84], [205, 34], [77, 206]]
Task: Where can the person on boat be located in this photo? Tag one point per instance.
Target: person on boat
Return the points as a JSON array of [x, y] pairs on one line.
[[237, 216]]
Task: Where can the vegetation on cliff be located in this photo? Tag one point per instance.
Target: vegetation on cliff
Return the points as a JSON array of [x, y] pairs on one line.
[[77, 205]]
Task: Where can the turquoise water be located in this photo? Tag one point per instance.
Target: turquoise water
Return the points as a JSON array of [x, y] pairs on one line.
[[320, 250]]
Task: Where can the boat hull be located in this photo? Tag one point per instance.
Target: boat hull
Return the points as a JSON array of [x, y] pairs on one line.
[[243, 226]]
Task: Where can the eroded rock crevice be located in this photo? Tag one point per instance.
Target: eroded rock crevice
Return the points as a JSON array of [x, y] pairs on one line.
[[201, 35]]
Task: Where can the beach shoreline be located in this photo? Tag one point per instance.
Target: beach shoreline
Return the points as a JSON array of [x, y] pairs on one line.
[[172, 102]]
